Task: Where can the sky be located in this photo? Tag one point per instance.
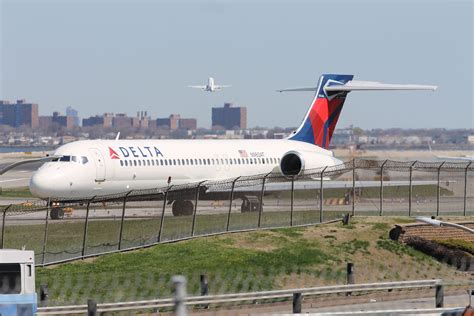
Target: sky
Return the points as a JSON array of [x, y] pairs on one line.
[[126, 56]]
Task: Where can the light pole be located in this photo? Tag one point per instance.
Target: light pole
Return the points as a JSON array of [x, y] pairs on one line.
[[435, 222]]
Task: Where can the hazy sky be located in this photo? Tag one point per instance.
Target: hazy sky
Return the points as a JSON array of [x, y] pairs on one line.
[[125, 56]]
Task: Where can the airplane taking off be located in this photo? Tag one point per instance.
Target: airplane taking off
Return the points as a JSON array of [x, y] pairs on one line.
[[211, 86], [90, 168]]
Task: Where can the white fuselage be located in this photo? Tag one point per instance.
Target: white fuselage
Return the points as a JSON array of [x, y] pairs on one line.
[[98, 167]]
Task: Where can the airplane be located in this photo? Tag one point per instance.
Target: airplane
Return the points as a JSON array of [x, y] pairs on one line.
[[89, 168], [452, 158], [211, 86]]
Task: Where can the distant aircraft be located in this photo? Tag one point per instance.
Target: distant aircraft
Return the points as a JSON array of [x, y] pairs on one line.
[[211, 86], [89, 168], [452, 158]]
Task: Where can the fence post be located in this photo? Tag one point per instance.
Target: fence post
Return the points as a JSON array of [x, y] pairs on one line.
[[465, 189], [353, 185], [260, 211], [439, 296], [86, 225], [439, 188], [45, 237], [122, 220], [297, 299], [321, 199], [381, 187], [230, 203], [91, 307], [350, 275], [195, 207], [165, 198], [292, 199], [204, 288], [179, 284], [3, 224], [43, 295], [410, 188]]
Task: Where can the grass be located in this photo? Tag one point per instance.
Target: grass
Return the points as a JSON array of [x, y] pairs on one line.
[[259, 260], [464, 245], [64, 238], [15, 192]]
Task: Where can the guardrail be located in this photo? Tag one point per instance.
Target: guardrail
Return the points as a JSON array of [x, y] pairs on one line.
[[242, 297]]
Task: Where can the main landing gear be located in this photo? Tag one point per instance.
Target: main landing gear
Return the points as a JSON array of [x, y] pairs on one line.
[[182, 208], [250, 204], [57, 212]]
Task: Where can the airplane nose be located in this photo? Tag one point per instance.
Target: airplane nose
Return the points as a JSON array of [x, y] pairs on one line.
[[39, 185]]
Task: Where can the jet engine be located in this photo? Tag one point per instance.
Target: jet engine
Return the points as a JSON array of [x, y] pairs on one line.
[[292, 164]]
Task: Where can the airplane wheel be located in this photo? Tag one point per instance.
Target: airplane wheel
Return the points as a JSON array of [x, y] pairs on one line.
[[182, 208], [57, 213], [245, 207]]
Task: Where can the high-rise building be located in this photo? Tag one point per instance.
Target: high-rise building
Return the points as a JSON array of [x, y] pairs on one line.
[[70, 111], [121, 121], [104, 120], [229, 117], [187, 123], [170, 122], [19, 113]]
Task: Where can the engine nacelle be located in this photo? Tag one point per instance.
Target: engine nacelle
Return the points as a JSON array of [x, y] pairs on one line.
[[292, 164]]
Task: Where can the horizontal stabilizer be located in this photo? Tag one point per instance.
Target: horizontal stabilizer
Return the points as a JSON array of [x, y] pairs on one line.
[[354, 85]]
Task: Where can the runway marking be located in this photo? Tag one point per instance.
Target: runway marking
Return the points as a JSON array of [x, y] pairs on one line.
[[11, 180]]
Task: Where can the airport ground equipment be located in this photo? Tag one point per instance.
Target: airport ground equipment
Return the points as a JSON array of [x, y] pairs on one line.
[[17, 282]]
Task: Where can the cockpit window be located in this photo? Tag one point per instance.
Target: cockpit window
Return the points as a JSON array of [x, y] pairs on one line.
[[82, 160]]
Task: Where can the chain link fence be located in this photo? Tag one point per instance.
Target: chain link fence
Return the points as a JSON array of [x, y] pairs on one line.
[[104, 224]]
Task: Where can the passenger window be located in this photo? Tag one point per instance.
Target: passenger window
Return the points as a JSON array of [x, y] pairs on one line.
[[135, 163], [74, 158], [121, 163], [174, 162], [126, 163], [195, 161], [200, 161], [148, 162], [230, 161], [204, 161], [191, 161]]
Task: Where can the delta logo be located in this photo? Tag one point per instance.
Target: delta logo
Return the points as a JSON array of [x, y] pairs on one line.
[[113, 154], [135, 152]]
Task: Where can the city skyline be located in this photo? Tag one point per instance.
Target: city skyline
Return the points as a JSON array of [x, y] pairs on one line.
[[145, 54]]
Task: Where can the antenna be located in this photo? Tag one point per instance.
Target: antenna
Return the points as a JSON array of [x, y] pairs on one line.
[[118, 136]]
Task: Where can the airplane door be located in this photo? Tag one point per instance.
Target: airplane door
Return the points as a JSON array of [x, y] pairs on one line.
[[99, 164]]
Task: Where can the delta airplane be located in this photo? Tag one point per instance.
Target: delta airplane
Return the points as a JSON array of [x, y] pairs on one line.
[[211, 86], [100, 167]]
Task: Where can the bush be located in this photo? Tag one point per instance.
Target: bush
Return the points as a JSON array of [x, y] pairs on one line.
[[454, 257]]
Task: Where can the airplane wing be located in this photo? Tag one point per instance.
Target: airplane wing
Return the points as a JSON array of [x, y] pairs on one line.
[[26, 161], [451, 158], [197, 87], [354, 85], [222, 86]]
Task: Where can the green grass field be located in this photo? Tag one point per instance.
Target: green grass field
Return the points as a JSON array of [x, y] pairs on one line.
[[15, 192], [259, 260]]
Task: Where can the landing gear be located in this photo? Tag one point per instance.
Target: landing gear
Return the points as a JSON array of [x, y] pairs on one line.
[[182, 208], [57, 213], [250, 204]]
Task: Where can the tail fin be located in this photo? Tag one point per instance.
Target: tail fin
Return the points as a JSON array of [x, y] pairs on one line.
[[320, 121]]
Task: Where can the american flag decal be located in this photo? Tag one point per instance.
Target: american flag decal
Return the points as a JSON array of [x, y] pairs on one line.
[[243, 154]]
